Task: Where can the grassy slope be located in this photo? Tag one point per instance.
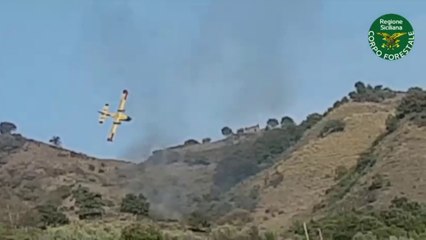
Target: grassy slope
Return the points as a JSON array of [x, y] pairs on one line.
[[296, 184], [37, 173]]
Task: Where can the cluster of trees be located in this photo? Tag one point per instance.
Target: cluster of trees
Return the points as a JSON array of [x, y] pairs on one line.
[[271, 123], [368, 93], [194, 142], [362, 93], [412, 107], [90, 207], [242, 161]]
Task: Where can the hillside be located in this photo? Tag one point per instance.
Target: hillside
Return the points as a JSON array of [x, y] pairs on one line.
[[294, 185], [386, 186], [362, 160], [177, 180], [34, 173]]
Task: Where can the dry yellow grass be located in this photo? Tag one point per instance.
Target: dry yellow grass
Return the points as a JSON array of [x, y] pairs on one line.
[[401, 162], [33, 174], [310, 169]]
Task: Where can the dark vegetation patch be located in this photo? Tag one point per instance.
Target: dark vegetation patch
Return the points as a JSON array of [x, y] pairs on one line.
[[10, 143], [412, 108], [135, 204], [402, 219], [191, 142], [245, 160], [139, 231], [347, 180], [332, 126], [197, 160], [51, 215], [368, 93], [339, 172], [242, 161], [90, 205], [198, 221]]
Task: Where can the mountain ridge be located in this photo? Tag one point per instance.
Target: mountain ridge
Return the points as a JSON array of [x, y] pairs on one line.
[[347, 158]]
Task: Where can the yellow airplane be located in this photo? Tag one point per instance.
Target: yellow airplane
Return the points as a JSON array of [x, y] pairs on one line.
[[118, 117]]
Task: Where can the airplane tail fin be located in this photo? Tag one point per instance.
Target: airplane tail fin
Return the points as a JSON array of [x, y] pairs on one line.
[[104, 114]]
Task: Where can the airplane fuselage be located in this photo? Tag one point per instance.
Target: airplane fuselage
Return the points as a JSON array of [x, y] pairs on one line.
[[121, 117]]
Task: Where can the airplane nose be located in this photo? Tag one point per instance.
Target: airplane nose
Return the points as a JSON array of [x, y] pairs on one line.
[[129, 118]]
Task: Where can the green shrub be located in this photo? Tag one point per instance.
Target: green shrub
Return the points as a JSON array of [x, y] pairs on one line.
[[82, 232], [137, 205], [365, 161], [340, 172], [51, 216], [139, 231], [331, 126], [391, 123], [90, 204], [275, 142], [197, 219], [402, 218], [378, 182], [412, 107]]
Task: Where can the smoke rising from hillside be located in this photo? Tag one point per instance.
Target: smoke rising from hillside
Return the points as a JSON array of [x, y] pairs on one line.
[[197, 67]]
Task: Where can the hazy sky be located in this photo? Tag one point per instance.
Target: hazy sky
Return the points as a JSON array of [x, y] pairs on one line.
[[191, 67]]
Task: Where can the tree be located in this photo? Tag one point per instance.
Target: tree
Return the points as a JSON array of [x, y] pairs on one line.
[[378, 88], [191, 142], [287, 122], [227, 131], [7, 127], [206, 140], [360, 87], [310, 120], [272, 122], [240, 131], [137, 205], [90, 204], [51, 216], [56, 141], [344, 100]]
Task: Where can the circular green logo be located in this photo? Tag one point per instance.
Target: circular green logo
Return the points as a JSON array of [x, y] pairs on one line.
[[391, 37]]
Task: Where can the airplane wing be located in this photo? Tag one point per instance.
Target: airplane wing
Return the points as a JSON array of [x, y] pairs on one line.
[[123, 100], [104, 113], [113, 131]]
